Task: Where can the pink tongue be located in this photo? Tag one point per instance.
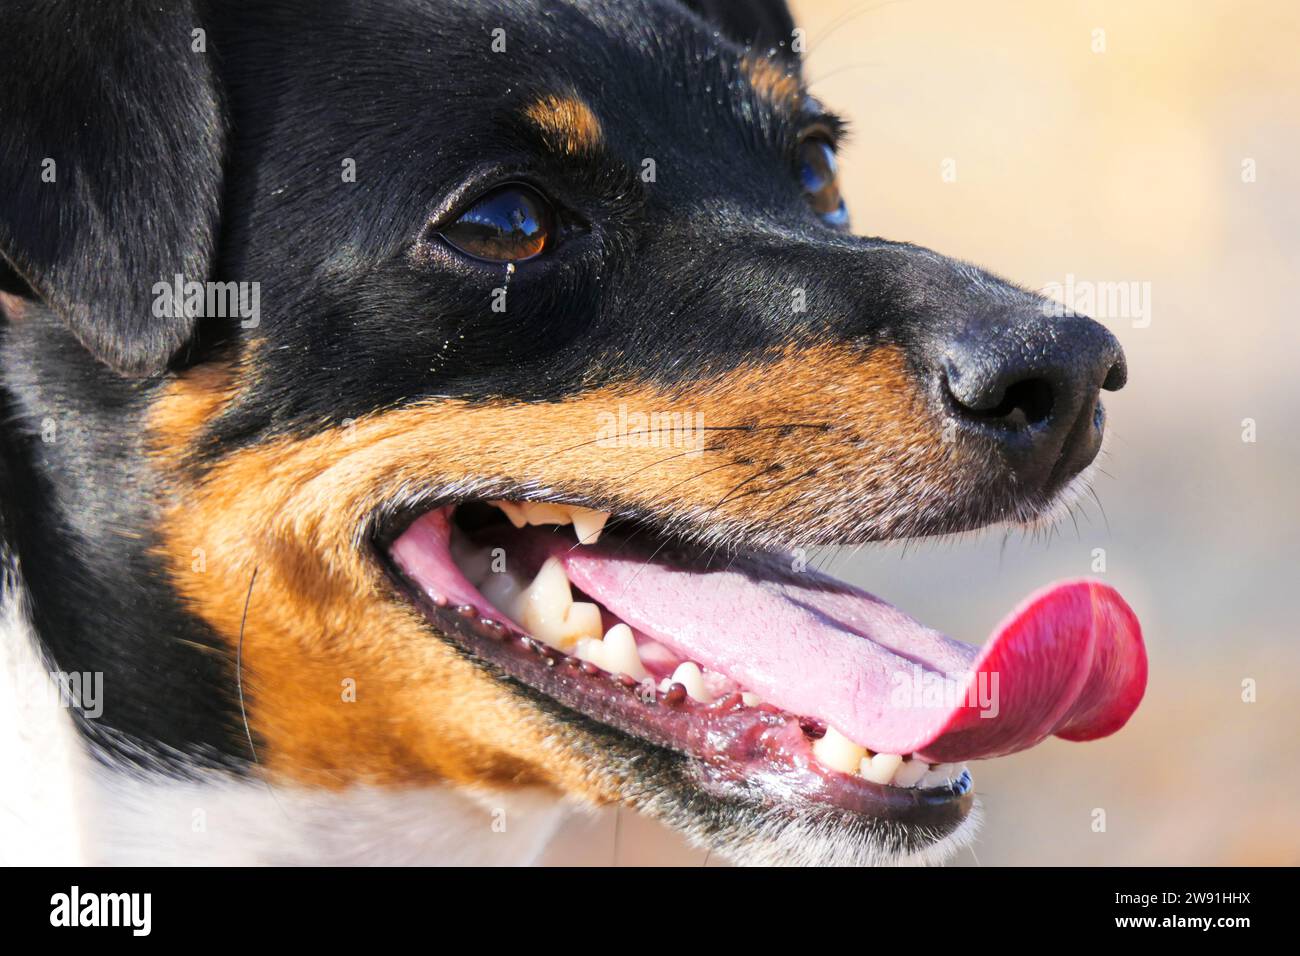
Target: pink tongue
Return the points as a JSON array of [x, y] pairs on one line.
[[1069, 661]]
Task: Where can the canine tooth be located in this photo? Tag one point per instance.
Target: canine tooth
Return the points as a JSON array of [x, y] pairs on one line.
[[542, 606], [587, 524], [546, 609], [621, 654], [750, 699], [880, 768], [689, 676], [838, 752], [512, 511], [911, 772]]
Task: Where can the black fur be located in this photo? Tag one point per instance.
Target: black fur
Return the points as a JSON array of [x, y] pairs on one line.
[[132, 121]]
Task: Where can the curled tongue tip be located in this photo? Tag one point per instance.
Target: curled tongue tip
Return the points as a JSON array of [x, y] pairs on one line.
[[1068, 661]]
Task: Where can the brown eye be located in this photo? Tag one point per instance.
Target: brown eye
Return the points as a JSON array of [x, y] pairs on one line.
[[818, 176], [509, 224]]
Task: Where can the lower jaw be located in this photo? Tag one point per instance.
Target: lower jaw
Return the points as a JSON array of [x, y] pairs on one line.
[[730, 749]]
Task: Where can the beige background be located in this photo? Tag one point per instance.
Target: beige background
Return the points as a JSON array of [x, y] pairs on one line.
[[1123, 165]]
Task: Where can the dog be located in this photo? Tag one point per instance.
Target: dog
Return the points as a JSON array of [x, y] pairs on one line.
[[417, 414]]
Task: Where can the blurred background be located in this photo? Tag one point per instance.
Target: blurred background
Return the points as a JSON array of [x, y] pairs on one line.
[[1111, 141]]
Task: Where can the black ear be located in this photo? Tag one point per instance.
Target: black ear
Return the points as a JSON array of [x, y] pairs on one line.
[[111, 134], [761, 23]]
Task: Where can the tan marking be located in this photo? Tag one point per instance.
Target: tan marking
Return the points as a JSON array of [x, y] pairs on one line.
[[775, 80], [190, 402], [13, 307], [319, 615], [568, 123]]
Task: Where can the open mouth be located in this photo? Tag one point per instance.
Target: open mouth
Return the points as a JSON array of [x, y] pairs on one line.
[[770, 680]]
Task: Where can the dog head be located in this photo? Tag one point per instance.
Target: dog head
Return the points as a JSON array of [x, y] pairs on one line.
[[318, 282]]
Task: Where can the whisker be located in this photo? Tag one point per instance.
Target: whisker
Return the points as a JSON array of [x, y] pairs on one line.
[[844, 19], [844, 68], [239, 667], [1104, 517], [583, 541], [239, 687], [626, 540]]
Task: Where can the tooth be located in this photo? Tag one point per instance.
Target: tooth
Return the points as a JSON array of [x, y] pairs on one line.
[[940, 774], [583, 620], [838, 752], [547, 611], [503, 590], [621, 654], [513, 511], [542, 606], [521, 513], [544, 512], [880, 768], [689, 676], [587, 524], [590, 649], [750, 700], [911, 772]]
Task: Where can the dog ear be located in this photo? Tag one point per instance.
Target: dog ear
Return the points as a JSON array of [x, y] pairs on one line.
[[110, 168], [761, 23]]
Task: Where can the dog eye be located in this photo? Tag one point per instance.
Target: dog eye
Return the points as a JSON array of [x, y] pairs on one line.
[[817, 174], [509, 224]]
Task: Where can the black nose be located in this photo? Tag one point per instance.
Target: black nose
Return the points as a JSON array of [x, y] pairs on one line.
[[1031, 385]]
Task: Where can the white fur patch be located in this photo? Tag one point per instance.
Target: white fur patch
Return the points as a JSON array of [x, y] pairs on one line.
[[60, 807], [40, 749], [218, 821]]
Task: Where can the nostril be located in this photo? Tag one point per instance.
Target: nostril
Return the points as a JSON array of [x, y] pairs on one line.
[[1022, 404], [1028, 402], [1116, 377]]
